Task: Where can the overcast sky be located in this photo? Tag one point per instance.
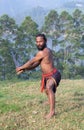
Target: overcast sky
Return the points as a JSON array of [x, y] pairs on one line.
[[50, 3], [44, 3], [7, 6]]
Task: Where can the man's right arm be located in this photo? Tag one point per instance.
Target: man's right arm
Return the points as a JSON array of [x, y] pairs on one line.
[[31, 64]]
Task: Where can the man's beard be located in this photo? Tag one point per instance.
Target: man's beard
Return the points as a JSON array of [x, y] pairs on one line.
[[41, 47]]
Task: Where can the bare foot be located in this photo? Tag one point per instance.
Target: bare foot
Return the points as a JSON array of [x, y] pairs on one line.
[[51, 114]]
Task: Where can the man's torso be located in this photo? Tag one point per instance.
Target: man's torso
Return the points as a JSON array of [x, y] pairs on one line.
[[47, 64]]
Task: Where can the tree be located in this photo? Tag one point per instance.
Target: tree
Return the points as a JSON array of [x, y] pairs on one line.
[[8, 30], [25, 41], [51, 24], [78, 34], [66, 24], [16, 43]]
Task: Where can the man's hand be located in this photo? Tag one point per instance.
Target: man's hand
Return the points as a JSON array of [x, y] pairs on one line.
[[19, 70]]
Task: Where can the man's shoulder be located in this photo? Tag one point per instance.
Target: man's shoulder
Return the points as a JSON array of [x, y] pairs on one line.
[[47, 50]]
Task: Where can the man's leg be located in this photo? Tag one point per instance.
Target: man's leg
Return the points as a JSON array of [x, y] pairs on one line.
[[51, 97]]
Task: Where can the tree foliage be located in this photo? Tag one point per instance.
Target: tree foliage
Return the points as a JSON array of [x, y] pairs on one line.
[[16, 44]]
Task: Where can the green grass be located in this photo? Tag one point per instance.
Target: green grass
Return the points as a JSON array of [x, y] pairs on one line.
[[21, 106]]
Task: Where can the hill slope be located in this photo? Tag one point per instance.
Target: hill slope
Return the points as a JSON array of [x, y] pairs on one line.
[[22, 108]]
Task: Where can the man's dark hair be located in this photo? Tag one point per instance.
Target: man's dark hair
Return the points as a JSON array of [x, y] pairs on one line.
[[43, 36]]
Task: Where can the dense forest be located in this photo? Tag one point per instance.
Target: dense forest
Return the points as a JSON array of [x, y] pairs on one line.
[[17, 44]]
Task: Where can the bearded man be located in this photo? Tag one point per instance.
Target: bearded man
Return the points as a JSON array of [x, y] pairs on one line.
[[50, 75]]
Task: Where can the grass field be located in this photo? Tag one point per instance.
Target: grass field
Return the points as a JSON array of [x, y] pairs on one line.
[[22, 108]]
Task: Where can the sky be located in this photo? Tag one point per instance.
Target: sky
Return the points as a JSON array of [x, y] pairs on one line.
[[44, 3], [15, 6], [49, 3]]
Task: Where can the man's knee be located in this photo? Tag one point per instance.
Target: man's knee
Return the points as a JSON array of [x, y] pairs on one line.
[[48, 88]]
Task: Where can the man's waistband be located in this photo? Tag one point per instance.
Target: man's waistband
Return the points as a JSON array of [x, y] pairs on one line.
[[50, 73]]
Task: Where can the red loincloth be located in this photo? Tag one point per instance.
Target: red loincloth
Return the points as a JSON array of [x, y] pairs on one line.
[[46, 76]]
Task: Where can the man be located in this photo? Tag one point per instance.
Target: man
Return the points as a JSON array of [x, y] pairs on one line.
[[50, 75]]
